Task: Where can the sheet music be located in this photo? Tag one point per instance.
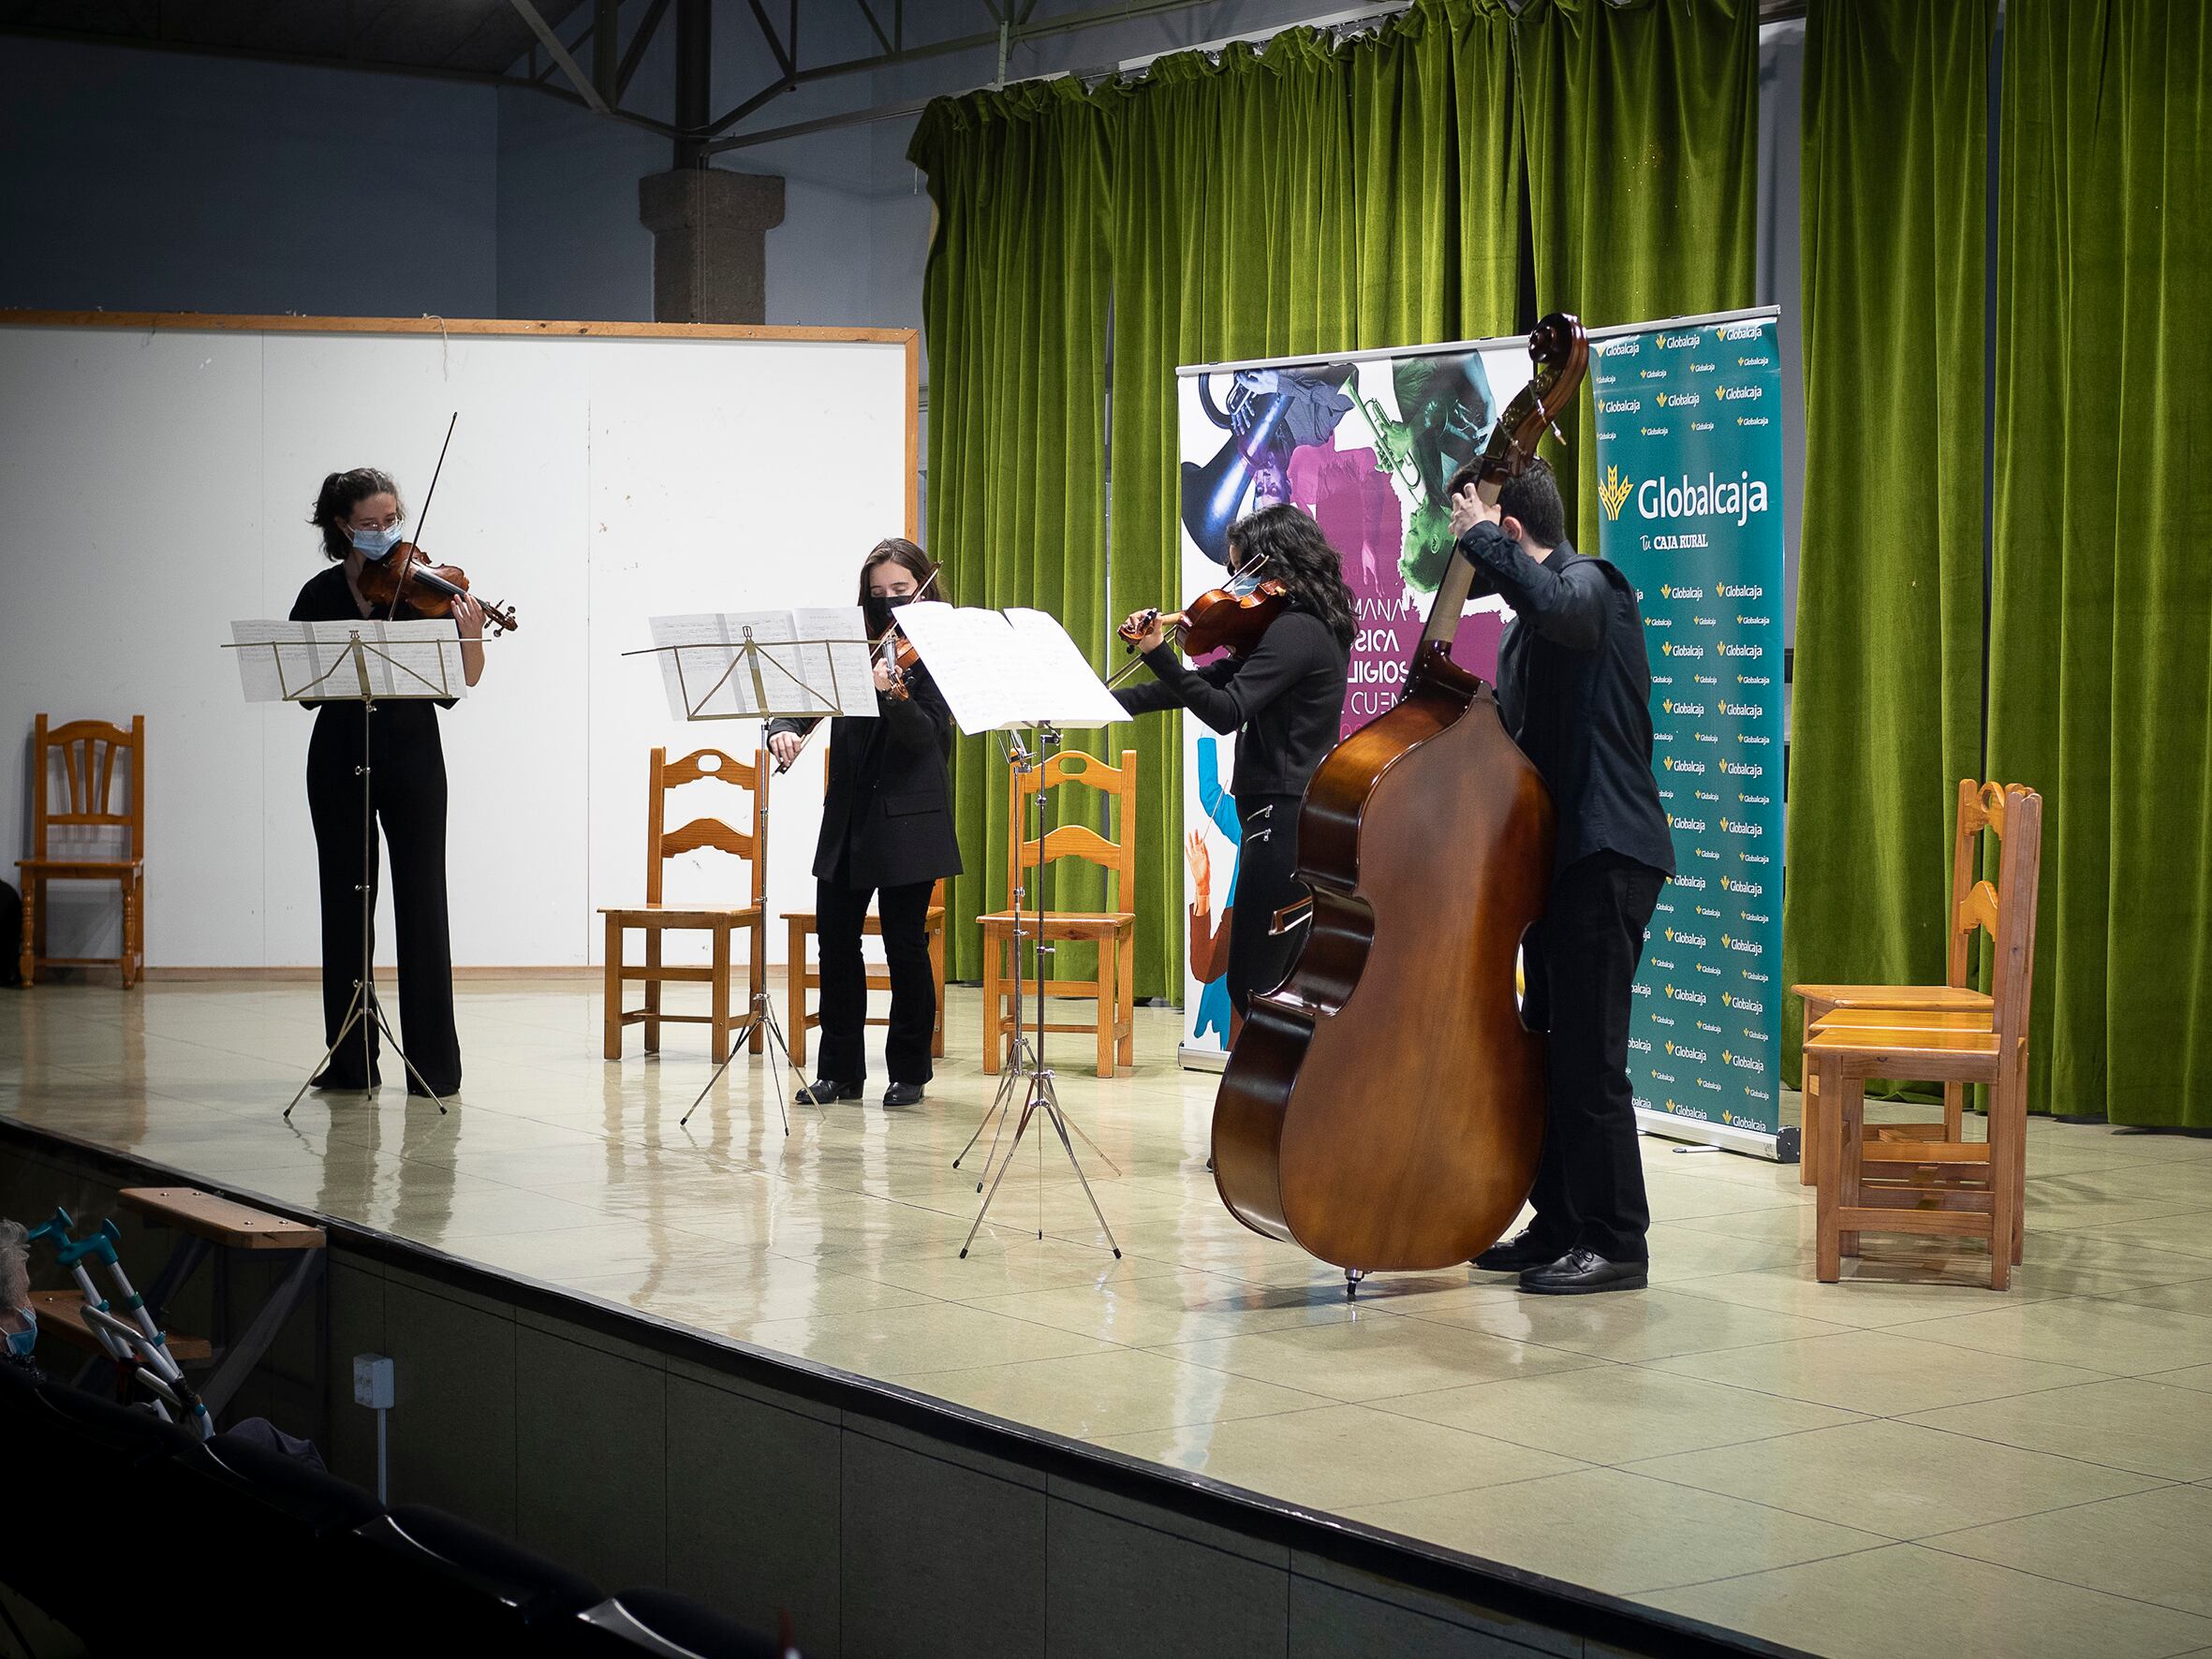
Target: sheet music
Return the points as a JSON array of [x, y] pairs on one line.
[[302, 662], [808, 662], [999, 670]]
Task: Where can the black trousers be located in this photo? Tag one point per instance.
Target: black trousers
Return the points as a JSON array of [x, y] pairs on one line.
[[840, 909], [407, 775], [1266, 880], [1581, 960]]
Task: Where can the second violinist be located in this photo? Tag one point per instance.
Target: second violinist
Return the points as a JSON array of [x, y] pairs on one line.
[[1284, 699], [886, 834]]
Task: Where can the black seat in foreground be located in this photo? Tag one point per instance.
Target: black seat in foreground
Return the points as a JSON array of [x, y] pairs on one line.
[[672, 1627], [445, 1585]]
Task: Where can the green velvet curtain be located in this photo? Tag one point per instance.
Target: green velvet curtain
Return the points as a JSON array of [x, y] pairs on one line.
[[1309, 195], [1014, 305], [1888, 684], [1643, 174], [2100, 649], [1306, 197]]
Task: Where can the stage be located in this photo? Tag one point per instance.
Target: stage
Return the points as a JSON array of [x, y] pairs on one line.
[[1902, 1464]]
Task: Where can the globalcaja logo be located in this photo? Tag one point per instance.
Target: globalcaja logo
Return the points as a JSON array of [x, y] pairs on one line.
[[1742, 1004], [1712, 679], [1684, 937], [1743, 1062], [1680, 399], [1743, 710], [1757, 916], [1743, 768], [1736, 498], [1696, 998], [1707, 795], [1700, 426], [1628, 345], [1684, 1052], [1739, 826], [1669, 648], [1706, 1025], [1704, 622], [1753, 679], [1737, 885], [1739, 394], [1698, 1112], [1751, 622], [1605, 379], [1696, 884], [1619, 405], [1640, 1045], [1652, 375], [1732, 590], [1706, 1083], [1741, 331], [1743, 649], [1745, 947], [1706, 911], [1677, 341], [1698, 368], [1753, 362], [1612, 490], [1747, 857], [1757, 1094], [1688, 711], [1754, 978], [1696, 824], [1670, 591], [1654, 431], [1754, 799]]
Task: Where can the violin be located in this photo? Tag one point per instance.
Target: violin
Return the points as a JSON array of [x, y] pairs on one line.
[[405, 580], [900, 659], [1230, 617], [1383, 1106]]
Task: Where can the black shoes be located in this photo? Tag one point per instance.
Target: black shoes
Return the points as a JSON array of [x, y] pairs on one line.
[[1517, 1255], [1584, 1273], [330, 1080], [827, 1091], [903, 1095]]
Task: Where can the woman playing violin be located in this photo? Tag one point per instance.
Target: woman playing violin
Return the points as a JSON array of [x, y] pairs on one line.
[[359, 515], [886, 834], [1284, 701]]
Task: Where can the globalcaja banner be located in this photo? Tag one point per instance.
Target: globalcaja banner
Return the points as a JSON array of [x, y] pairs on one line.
[[1690, 464], [1366, 443]]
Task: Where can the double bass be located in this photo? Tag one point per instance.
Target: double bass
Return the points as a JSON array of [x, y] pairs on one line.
[[1383, 1106]]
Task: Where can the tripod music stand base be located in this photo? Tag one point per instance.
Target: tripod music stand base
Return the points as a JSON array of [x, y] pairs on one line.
[[353, 1017], [762, 1019]]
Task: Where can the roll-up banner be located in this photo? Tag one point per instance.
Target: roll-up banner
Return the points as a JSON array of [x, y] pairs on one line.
[[1690, 492], [1366, 442]]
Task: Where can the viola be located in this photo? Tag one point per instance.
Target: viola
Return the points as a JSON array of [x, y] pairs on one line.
[[900, 659], [405, 580], [1383, 1106]]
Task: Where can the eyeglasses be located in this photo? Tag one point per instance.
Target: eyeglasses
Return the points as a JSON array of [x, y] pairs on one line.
[[386, 522]]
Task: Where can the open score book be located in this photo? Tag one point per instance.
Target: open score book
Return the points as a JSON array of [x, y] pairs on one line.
[[999, 670]]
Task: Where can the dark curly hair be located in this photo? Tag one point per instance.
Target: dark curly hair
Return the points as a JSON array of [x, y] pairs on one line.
[[1290, 548], [340, 495]]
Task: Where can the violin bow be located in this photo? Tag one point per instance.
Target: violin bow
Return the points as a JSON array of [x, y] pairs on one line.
[[429, 496]]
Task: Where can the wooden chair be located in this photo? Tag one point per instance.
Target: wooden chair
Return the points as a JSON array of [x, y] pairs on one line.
[[89, 749], [1948, 1186], [1978, 805], [801, 977], [1113, 930], [721, 922]]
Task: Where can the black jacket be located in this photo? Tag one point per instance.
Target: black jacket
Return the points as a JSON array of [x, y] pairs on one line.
[[1574, 687], [888, 816], [1285, 701]]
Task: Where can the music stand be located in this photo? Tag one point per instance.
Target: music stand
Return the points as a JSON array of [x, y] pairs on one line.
[[1011, 673], [366, 662], [765, 665]]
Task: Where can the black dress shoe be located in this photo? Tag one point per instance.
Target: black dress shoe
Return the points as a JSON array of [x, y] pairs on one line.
[[441, 1092], [334, 1082], [825, 1092], [1517, 1255], [1584, 1273], [903, 1095]]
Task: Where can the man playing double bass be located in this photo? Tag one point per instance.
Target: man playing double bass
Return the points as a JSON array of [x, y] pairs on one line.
[[1574, 688]]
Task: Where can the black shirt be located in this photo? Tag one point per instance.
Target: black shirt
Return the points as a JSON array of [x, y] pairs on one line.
[[1285, 701], [1574, 686]]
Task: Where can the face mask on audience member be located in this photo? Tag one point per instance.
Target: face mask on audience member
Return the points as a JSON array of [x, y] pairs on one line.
[[20, 1342]]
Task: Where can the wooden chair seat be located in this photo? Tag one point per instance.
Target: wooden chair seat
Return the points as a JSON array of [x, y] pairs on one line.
[[235, 1225], [663, 916], [60, 1313], [800, 976], [1065, 924], [92, 757]]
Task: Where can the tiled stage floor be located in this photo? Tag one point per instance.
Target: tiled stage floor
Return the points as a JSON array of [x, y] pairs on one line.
[[1903, 1464]]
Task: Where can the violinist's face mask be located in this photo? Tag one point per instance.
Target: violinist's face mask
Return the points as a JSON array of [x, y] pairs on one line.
[[1244, 580], [375, 544]]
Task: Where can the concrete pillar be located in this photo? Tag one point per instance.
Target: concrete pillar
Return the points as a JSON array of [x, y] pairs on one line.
[[710, 242]]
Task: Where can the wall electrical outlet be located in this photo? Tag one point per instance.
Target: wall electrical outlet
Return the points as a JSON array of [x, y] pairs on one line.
[[372, 1381]]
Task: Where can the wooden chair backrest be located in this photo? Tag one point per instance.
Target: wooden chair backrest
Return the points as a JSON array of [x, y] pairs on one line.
[[88, 750], [1117, 857], [2007, 911], [705, 765], [1981, 807]]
